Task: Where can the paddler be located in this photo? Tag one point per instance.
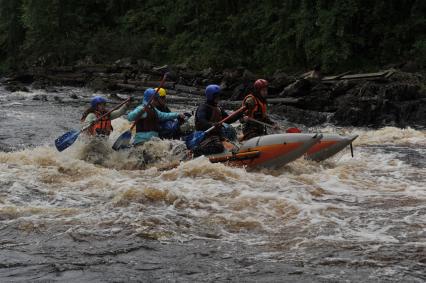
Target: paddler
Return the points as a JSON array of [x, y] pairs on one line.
[[162, 103], [98, 108], [208, 114], [148, 122], [256, 105], [169, 129]]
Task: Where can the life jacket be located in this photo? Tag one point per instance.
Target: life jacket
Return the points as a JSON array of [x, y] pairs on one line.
[[150, 123], [101, 127], [259, 110], [164, 108], [216, 116]]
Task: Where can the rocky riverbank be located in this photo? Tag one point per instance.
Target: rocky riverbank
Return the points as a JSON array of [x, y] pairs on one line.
[[389, 98]]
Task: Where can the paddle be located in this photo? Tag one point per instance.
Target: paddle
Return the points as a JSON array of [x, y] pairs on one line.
[[193, 140], [289, 130], [67, 139], [123, 140]]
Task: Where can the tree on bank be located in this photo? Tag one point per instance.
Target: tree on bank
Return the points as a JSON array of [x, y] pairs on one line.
[[260, 35], [12, 32]]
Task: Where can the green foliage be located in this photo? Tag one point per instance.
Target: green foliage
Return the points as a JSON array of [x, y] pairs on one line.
[[261, 35], [11, 33], [419, 52]]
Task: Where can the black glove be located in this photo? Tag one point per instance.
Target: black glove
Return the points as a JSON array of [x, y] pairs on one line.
[[217, 125], [131, 99], [188, 115]]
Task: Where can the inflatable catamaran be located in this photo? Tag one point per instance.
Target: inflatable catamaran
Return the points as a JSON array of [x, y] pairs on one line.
[[280, 149]]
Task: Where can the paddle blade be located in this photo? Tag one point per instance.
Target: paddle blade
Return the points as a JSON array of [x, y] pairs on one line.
[[123, 141], [193, 140], [64, 141]]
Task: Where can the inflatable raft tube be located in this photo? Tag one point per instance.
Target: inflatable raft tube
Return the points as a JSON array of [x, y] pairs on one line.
[[269, 151], [329, 145]]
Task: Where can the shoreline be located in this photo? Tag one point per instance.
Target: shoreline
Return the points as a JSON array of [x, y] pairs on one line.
[[386, 98]]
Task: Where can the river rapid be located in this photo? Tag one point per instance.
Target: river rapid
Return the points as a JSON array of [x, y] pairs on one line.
[[89, 213]]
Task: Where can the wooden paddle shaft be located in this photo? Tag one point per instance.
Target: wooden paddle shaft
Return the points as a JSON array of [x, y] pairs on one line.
[[225, 119], [259, 122]]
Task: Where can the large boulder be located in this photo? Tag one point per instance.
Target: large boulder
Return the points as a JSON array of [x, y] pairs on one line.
[[280, 80], [298, 88], [207, 73], [124, 62], [144, 64], [99, 84], [240, 91], [248, 76], [396, 101], [232, 76], [374, 104]]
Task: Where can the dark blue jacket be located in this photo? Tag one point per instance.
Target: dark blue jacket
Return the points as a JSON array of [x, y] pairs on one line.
[[204, 113]]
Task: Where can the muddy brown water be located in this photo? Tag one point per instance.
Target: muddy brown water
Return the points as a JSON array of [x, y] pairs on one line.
[[92, 214]]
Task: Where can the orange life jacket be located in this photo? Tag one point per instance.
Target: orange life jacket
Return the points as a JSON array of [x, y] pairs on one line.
[[258, 112], [101, 127]]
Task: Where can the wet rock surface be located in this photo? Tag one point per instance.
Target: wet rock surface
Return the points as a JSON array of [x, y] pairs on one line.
[[391, 99], [397, 103]]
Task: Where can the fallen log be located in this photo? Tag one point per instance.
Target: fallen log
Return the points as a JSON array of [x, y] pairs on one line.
[[79, 80], [131, 87], [271, 101], [166, 85], [188, 89], [184, 100], [97, 68], [366, 76]]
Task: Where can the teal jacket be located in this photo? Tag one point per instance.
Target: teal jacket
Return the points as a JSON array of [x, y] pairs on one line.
[[146, 136]]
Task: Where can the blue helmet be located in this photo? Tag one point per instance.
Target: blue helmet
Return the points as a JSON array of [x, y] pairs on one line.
[[212, 91], [97, 100], [148, 94]]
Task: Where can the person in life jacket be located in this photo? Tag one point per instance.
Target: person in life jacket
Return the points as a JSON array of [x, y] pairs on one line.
[[98, 108], [207, 115], [169, 129], [256, 109], [162, 103], [148, 121]]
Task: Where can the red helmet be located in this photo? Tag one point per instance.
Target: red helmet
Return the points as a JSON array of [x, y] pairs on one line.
[[260, 83]]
